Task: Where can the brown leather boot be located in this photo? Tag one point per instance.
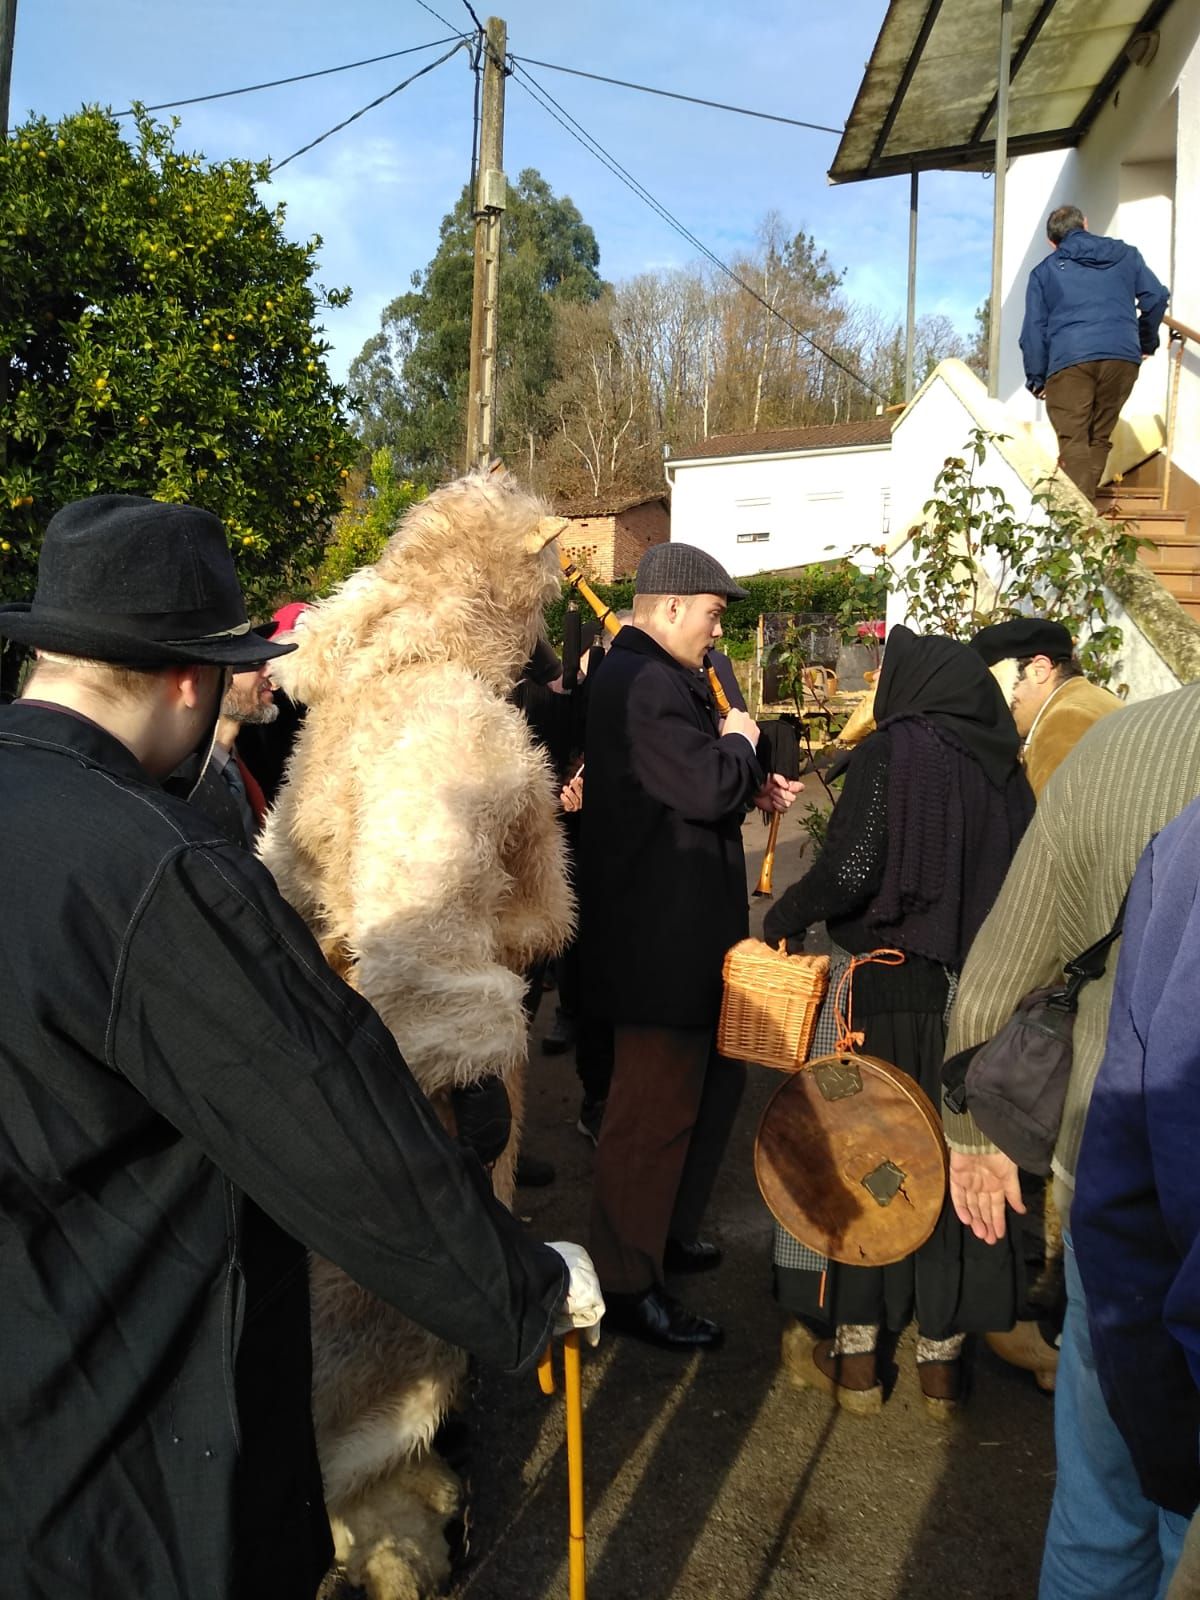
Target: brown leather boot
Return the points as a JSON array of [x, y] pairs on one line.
[[852, 1381], [941, 1388]]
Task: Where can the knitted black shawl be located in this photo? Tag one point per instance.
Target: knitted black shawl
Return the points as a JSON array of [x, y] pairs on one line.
[[958, 801]]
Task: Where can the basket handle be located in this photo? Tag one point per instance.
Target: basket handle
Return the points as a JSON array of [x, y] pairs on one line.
[[847, 1037]]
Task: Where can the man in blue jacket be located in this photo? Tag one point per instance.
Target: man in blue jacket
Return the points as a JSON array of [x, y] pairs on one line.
[[1136, 1215], [1092, 311]]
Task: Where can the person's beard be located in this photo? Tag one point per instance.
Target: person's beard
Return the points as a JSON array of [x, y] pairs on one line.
[[258, 716]]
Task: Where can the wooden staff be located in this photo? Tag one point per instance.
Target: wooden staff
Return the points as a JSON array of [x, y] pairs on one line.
[[764, 884], [573, 1385], [608, 618]]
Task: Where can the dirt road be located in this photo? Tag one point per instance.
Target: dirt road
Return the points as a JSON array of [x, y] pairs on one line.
[[711, 1477]]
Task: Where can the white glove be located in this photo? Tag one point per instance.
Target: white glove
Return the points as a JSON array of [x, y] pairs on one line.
[[584, 1305]]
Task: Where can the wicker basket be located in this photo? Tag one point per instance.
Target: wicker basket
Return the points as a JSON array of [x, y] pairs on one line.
[[770, 1005]]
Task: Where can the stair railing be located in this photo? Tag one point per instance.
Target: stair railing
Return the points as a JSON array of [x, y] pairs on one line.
[[1178, 334]]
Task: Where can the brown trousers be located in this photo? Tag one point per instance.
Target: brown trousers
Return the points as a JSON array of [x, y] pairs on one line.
[[666, 1124], [1084, 403]]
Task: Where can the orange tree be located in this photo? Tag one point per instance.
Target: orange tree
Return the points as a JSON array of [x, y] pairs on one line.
[[158, 337]]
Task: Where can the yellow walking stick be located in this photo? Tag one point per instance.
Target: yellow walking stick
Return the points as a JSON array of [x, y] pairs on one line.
[[577, 1543]]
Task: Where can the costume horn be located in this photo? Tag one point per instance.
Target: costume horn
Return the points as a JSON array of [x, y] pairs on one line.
[[547, 530]]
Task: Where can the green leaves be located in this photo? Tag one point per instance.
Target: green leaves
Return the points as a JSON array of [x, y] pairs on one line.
[[973, 562], [410, 379], [378, 501], [158, 337]]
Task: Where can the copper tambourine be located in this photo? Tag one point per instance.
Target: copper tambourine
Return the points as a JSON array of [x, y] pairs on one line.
[[849, 1154]]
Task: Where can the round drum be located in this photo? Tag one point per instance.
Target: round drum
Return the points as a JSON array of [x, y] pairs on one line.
[[850, 1159]]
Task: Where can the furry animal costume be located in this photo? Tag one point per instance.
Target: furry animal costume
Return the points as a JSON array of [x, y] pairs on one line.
[[416, 833]]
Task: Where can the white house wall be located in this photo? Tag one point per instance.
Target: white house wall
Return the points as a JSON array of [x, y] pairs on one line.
[[949, 404], [1129, 188], [812, 506]]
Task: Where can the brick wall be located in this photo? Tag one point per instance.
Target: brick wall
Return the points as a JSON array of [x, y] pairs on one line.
[[610, 546], [589, 543], [637, 529]]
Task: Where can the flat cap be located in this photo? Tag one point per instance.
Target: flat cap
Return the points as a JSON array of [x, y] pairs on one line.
[[1021, 637], [682, 569]]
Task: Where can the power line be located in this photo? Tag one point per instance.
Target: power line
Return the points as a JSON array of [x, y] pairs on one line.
[[578, 132], [476, 60], [321, 137], [300, 77], [436, 14], [474, 16], [671, 94]]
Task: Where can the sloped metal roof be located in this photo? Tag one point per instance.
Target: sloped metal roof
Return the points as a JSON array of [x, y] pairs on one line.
[[928, 97]]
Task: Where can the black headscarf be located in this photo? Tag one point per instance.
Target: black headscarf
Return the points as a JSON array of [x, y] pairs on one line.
[[949, 685], [957, 800]]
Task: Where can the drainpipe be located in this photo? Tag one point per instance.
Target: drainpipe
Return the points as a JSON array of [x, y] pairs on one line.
[[1004, 68], [910, 332]]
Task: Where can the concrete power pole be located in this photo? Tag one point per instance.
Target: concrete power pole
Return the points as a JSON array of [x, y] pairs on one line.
[[490, 190]]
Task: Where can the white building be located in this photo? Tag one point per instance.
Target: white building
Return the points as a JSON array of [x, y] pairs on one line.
[[1097, 104], [784, 497], [1136, 176]]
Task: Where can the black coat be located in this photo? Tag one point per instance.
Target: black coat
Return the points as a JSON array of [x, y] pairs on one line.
[[186, 1091], [662, 874]]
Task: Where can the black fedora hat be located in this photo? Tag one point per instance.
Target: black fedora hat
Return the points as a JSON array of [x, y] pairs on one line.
[[140, 582]]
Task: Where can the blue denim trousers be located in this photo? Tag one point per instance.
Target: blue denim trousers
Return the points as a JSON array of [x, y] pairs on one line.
[[1105, 1541]]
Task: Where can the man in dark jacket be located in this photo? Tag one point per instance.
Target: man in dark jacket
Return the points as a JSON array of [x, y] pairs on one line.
[[1092, 311], [188, 1098], [662, 898]]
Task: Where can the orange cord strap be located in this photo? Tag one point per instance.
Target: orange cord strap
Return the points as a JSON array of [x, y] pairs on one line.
[[847, 1038]]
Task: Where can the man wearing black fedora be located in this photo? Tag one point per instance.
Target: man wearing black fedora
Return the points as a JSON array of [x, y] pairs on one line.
[[189, 1099]]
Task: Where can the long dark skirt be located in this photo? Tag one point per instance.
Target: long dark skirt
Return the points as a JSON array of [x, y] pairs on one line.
[[954, 1283]]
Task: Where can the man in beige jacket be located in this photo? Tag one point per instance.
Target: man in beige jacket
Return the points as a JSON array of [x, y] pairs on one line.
[[1053, 704]]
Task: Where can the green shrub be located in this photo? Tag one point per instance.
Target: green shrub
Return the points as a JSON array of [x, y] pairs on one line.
[[837, 588]]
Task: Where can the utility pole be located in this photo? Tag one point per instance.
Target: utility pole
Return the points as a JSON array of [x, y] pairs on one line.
[[490, 193], [8, 29]]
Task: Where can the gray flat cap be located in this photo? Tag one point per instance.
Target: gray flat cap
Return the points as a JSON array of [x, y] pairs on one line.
[[682, 569]]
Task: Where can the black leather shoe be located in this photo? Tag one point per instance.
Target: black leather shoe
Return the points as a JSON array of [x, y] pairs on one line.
[[658, 1318], [560, 1035], [534, 1173], [694, 1255]]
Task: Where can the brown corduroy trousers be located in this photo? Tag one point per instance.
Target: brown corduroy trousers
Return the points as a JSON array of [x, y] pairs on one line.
[[1084, 403], [666, 1124]]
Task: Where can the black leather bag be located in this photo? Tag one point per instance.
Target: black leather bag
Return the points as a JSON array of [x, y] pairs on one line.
[[1015, 1085]]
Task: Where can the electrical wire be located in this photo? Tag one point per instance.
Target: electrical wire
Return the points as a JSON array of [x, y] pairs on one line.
[[474, 16], [436, 14], [476, 70], [321, 137], [300, 77], [578, 132], [672, 94]]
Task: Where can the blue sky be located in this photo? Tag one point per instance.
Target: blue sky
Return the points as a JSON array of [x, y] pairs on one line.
[[377, 191]]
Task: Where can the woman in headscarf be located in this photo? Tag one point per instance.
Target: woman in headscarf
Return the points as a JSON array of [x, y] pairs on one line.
[[932, 810]]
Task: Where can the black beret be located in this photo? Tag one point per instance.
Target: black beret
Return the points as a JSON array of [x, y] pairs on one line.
[[1022, 637]]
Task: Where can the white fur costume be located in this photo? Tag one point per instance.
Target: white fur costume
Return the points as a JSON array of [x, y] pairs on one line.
[[417, 835]]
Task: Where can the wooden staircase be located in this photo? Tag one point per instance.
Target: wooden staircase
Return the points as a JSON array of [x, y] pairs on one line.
[[1174, 555]]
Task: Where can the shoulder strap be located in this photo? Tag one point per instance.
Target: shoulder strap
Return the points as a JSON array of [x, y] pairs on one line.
[[1090, 963]]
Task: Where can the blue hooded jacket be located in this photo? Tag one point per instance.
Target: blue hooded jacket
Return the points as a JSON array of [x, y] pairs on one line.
[[1080, 306], [1135, 1217]]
